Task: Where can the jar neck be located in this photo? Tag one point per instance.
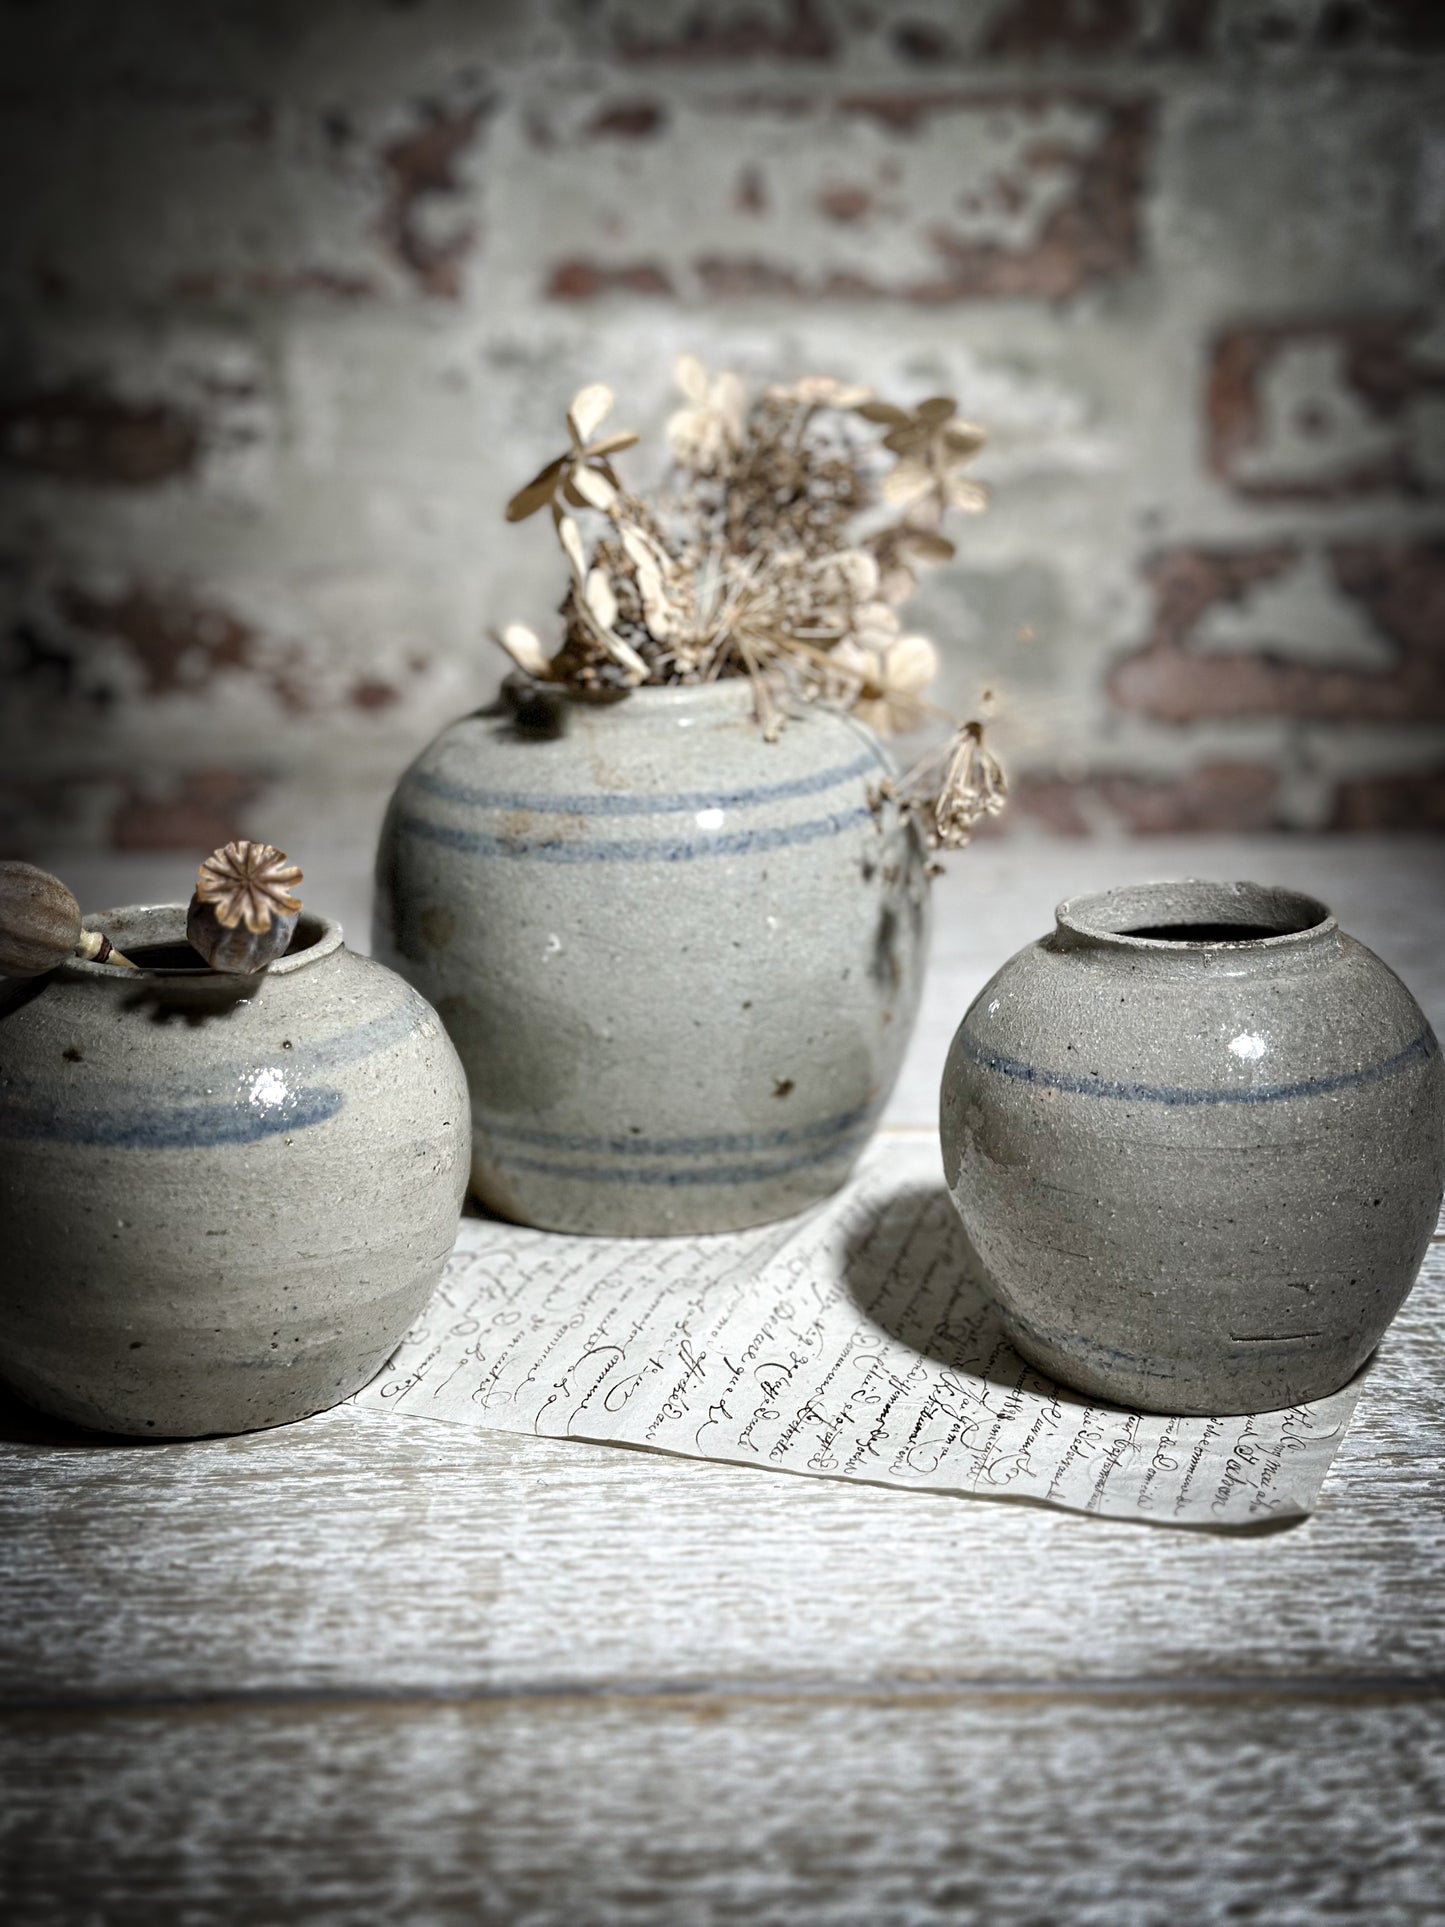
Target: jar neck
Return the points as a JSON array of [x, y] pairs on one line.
[[1199, 924], [153, 936], [553, 709]]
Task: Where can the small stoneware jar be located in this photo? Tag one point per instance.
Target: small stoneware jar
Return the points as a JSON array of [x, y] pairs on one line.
[[681, 963], [1197, 1139], [223, 1199]]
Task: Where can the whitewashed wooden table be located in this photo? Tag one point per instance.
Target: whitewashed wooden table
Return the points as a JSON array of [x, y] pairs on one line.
[[359, 1671]]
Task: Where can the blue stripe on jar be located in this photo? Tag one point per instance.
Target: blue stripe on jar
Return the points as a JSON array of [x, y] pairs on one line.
[[644, 850], [613, 803], [724, 1143], [1419, 1051], [168, 1127], [120, 1116]]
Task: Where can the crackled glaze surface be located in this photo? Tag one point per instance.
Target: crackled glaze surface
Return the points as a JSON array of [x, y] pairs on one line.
[[681, 964], [1200, 1176], [222, 1199]]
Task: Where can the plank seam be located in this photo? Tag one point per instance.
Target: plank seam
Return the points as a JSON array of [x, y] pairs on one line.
[[901, 1690]]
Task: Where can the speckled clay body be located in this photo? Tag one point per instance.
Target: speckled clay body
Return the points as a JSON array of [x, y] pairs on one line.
[[1199, 1176], [680, 963], [222, 1199]]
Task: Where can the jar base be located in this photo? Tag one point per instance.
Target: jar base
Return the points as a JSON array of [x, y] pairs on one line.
[[197, 1412], [1139, 1387]]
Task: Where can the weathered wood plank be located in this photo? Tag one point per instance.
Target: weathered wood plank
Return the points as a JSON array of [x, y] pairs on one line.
[[350, 1550], [1118, 1811]]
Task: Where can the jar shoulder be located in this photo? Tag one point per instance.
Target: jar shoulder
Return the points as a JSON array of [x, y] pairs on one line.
[[484, 760], [340, 1009], [1105, 1013]]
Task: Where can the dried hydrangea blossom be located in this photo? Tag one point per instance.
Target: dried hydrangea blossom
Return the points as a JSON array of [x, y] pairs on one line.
[[243, 914], [780, 549]]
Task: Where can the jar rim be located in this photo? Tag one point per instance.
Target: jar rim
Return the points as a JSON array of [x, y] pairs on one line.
[[140, 924], [1210, 916]]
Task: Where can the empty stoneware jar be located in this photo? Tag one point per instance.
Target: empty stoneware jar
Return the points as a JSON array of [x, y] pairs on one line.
[[680, 963], [1197, 1139], [223, 1199]]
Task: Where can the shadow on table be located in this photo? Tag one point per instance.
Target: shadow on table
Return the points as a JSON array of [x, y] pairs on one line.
[[913, 1273], [22, 1424]]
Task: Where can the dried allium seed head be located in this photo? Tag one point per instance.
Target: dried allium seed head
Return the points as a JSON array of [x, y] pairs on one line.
[[248, 883]]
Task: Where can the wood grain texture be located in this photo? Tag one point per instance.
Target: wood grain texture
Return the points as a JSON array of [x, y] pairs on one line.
[[355, 1670], [848, 1812], [351, 1549]]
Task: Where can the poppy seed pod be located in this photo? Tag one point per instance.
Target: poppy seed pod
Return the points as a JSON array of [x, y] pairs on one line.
[[40, 924], [243, 914]]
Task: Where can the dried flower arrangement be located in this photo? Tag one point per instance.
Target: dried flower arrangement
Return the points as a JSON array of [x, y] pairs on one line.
[[241, 916], [780, 548]]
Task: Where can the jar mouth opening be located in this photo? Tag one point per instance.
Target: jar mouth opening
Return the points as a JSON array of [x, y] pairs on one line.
[[1197, 915], [153, 936]]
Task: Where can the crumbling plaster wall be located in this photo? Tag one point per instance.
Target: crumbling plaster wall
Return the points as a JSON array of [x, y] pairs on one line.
[[293, 296]]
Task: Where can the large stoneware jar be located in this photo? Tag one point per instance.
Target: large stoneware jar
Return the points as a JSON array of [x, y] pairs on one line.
[[1197, 1139], [223, 1199], [680, 963]]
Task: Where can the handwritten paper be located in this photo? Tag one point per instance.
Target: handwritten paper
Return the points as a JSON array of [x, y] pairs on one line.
[[853, 1344]]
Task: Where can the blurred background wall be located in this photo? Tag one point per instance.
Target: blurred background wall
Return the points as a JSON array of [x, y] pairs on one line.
[[295, 294]]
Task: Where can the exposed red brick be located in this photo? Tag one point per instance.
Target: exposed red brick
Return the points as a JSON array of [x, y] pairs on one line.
[[730, 277], [1378, 372], [586, 280], [719, 34], [179, 645], [80, 433], [205, 809], [1219, 797], [629, 120], [1401, 586], [422, 166], [1093, 234], [846, 204], [1414, 801], [371, 694]]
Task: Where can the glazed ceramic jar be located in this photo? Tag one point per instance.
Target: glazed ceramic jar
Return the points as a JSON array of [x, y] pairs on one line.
[[680, 963], [1197, 1139], [223, 1199]]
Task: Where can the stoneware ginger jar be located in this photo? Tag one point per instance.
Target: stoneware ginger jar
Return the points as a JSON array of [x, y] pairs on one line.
[[680, 963], [1197, 1139], [223, 1199]]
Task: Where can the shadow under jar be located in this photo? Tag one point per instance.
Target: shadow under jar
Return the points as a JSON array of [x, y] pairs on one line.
[[223, 1199], [1196, 1136], [681, 964]]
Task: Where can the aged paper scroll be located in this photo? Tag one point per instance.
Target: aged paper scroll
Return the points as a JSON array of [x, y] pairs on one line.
[[850, 1344]]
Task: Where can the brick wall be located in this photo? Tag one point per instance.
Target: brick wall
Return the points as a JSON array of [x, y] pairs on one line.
[[293, 297]]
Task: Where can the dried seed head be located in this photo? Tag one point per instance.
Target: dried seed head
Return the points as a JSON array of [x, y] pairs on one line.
[[39, 921], [40, 925], [243, 914], [248, 883]]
